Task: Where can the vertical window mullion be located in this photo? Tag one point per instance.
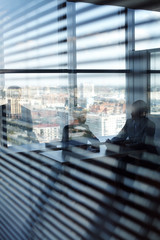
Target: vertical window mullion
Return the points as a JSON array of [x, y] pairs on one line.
[[72, 59], [130, 47]]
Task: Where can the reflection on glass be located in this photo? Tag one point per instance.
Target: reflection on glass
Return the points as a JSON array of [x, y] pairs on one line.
[[146, 34], [40, 113], [100, 37], [78, 134], [31, 34], [17, 126], [103, 95], [155, 94], [155, 60]]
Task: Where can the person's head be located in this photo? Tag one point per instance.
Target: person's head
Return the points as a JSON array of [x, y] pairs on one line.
[[80, 115], [139, 109]]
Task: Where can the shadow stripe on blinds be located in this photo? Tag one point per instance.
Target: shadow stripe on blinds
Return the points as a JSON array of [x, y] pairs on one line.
[[39, 31], [67, 180]]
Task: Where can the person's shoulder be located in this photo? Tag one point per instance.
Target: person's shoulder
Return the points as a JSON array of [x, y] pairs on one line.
[[150, 122], [85, 126], [66, 127], [147, 123], [128, 121]]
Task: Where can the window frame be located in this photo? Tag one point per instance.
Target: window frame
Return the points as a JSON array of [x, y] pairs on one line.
[[72, 69]]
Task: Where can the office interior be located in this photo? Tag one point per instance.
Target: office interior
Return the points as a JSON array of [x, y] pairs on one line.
[[65, 61]]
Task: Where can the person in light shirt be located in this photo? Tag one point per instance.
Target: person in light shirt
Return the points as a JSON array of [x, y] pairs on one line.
[[78, 133]]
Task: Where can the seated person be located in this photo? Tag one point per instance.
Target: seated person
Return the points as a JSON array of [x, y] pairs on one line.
[[78, 133], [138, 131]]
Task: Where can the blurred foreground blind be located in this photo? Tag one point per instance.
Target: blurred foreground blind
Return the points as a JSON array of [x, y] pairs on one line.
[[147, 26], [96, 198], [33, 34], [100, 35]]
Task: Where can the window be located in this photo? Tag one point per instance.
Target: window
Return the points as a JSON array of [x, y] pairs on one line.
[[103, 95], [35, 41], [100, 37], [100, 46], [155, 82], [146, 25], [42, 104], [34, 36], [147, 38], [56, 56]]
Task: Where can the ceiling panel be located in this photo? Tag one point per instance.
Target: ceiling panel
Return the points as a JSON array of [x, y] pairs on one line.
[[153, 5]]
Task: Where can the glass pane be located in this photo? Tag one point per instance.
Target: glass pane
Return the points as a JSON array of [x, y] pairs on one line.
[[147, 27], [100, 35], [103, 95], [35, 107], [155, 61], [34, 35], [155, 94]]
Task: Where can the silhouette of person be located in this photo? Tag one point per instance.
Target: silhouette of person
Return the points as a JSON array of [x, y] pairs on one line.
[[78, 133], [138, 131], [16, 123]]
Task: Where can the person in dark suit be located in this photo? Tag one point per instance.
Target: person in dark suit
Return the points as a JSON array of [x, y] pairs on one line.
[[138, 131], [136, 137], [78, 133], [16, 120]]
